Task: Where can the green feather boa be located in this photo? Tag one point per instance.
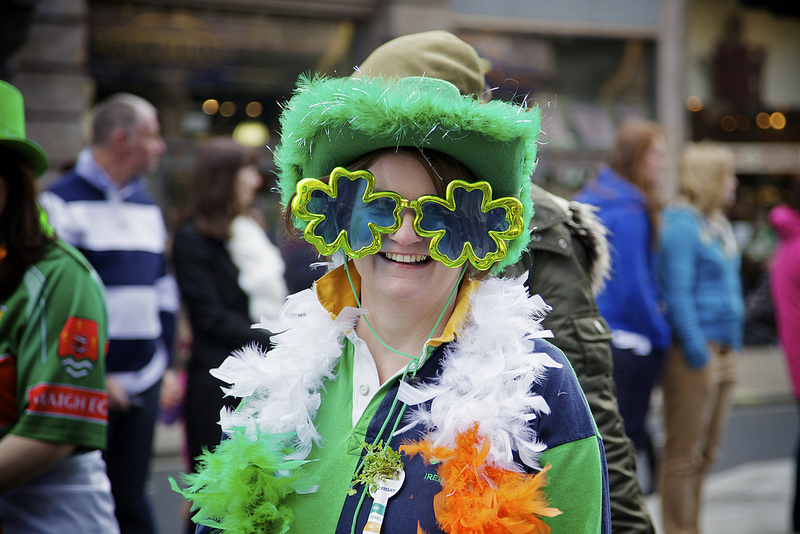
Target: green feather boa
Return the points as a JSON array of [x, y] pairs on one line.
[[240, 487]]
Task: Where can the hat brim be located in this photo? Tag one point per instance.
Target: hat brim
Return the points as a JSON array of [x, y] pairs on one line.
[[35, 155], [330, 122]]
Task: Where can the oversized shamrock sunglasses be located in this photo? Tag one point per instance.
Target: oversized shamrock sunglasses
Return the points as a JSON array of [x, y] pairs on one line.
[[347, 213]]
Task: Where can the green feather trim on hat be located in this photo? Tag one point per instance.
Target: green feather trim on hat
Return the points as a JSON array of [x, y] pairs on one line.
[[331, 122]]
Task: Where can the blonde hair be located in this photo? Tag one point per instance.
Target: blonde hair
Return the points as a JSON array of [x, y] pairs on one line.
[[703, 170]]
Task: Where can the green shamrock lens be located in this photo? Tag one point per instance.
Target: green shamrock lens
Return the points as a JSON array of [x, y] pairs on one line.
[[468, 225], [346, 213]]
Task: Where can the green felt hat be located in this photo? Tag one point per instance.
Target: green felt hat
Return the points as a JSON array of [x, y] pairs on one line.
[[12, 128], [330, 122]]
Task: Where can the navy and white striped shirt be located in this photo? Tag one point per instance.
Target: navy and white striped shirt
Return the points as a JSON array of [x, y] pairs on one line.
[[121, 232]]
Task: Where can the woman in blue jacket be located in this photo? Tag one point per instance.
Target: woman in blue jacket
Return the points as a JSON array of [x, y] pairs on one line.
[[700, 273], [625, 195]]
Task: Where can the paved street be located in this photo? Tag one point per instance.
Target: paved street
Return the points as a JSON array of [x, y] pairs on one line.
[[751, 498]]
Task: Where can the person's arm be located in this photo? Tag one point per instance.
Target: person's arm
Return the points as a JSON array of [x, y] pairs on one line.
[[678, 272], [61, 352], [117, 397], [169, 302], [168, 305], [22, 459], [636, 275], [577, 482], [577, 485]]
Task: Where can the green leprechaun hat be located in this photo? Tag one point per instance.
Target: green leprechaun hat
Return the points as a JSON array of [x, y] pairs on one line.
[[12, 128], [330, 122]]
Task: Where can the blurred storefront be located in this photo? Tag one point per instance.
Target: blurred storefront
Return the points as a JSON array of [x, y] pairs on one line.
[[215, 68], [218, 68], [743, 89], [727, 70], [210, 67]]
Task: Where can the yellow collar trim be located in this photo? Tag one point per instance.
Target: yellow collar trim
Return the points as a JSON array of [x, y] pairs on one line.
[[334, 293]]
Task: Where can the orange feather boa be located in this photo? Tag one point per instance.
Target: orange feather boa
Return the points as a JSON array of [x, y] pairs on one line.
[[482, 499]]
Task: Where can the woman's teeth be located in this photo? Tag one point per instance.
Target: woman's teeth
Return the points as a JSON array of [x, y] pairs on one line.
[[406, 258]]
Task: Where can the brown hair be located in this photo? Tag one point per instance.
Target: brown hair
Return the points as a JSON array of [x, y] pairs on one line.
[[442, 169], [212, 193], [20, 226], [634, 140]]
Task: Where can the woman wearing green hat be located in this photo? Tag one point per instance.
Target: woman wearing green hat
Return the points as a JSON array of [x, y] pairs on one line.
[[410, 390], [52, 347]]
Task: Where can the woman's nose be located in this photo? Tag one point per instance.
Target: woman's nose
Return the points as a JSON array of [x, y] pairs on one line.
[[405, 235]]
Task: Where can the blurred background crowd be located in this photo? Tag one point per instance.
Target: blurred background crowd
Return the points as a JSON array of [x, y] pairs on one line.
[[725, 71]]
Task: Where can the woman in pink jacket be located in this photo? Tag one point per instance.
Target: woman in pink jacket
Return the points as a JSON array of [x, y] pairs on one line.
[[785, 281]]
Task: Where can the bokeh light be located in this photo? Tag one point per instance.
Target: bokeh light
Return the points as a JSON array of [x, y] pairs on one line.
[[743, 122], [762, 120], [694, 103], [728, 123], [227, 109], [777, 120], [210, 106], [251, 133], [253, 109]]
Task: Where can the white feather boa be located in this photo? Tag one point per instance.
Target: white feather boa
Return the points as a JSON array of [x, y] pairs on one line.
[[487, 375], [260, 267]]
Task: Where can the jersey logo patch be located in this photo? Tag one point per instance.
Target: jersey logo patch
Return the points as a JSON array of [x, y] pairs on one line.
[[78, 346], [69, 402]]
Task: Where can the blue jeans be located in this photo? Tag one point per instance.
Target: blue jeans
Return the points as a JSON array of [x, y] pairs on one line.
[[130, 448], [635, 377]]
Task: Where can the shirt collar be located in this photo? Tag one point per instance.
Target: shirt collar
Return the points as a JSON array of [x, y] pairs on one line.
[[88, 168], [334, 293]]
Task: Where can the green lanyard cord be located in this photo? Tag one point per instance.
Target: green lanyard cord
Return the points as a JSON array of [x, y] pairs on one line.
[[435, 326], [413, 360]]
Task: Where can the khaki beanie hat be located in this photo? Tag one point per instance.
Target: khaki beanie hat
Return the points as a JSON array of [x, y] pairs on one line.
[[434, 54]]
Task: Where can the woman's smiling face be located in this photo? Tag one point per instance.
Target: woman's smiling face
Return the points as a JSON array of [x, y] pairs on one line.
[[403, 269]]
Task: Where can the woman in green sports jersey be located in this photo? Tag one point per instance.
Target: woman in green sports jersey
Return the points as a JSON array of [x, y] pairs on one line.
[[52, 347]]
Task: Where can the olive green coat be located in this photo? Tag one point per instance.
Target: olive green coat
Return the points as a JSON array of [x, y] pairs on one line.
[[567, 261]]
